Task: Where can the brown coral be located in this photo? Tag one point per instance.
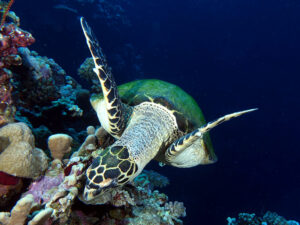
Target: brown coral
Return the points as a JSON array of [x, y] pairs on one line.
[[19, 213], [59, 145], [19, 157]]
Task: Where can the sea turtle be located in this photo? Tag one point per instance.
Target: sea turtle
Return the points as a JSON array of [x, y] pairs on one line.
[[149, 119]]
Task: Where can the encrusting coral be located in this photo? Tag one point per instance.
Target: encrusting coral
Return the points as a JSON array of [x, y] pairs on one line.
[[59, 145]]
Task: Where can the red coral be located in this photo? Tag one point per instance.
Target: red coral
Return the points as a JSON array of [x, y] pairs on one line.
[[68, 169], [7, 179], [12, 37], [6, 108]]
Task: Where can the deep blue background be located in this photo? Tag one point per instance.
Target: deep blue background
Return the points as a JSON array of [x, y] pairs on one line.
[[229, 55]]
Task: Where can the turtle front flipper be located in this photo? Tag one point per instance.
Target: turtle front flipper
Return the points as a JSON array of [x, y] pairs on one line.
[[110, 110], [192, 149]]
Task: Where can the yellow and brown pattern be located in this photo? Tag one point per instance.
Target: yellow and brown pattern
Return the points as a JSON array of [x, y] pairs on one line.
[[113, 167], [114, 106]]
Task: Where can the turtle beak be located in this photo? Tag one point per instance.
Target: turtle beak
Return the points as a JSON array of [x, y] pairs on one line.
[[90, 194], [91, 190]]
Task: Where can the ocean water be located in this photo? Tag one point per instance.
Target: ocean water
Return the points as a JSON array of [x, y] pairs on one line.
[[229, 55]]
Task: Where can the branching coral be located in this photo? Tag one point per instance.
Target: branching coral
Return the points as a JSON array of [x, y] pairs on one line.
[[18, 215]]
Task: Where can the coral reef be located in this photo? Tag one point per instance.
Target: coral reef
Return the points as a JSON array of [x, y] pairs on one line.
[[46, 85], [33, 87], [270, 218], [51, 197], [42, 89]]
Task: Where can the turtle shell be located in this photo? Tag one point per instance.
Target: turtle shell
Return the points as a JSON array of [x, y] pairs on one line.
[[186, 110], [184, 107]]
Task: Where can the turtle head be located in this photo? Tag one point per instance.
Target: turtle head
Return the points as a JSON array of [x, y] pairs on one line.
[[114, 167]]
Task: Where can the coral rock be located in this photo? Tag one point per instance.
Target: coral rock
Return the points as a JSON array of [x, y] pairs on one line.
[[59, 145], [18, 155]]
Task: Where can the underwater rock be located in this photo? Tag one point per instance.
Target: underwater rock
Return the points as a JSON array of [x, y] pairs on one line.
[[59, 145], [19, 157]]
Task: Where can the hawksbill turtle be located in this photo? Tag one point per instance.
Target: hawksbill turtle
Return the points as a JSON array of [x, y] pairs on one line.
[[149, 119]]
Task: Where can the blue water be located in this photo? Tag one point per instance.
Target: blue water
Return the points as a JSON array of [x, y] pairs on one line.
[[229, 55]]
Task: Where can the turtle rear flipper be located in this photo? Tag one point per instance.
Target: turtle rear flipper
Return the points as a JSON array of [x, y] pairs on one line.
[[191, 149], [110, 110]]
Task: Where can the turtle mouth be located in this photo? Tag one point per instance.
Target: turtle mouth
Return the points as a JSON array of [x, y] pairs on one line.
[[92, 190]]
